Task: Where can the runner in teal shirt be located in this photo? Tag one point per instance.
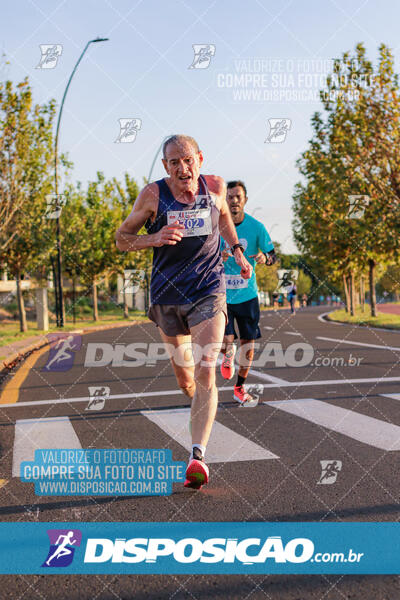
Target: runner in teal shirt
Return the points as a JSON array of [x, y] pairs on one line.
[[254, 238], [242, 294]]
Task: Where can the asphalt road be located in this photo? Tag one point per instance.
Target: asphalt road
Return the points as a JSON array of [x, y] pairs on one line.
[[331, 393]]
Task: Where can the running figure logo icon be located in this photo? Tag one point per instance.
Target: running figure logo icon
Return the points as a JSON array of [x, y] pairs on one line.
[[50, 55], [278, 129], [132, 280], [330, 470], [62, 547], [98, 396], [128, 130], [62, 351], [287, 279], [357, 206], [54, 205], [203, 54]]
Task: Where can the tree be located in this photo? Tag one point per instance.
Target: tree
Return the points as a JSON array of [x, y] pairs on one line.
[[123, 202], [25, 179], [354, 152]]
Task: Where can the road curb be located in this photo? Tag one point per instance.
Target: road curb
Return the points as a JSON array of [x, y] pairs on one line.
[[325, 318], [17, 357]]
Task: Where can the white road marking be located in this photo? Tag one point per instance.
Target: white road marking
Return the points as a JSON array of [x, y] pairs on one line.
[[357, 426], [267, 327], [292, 333], [393, 396], [359, 344], [286, 384], [267, 377], [32, 434], [224, 445]]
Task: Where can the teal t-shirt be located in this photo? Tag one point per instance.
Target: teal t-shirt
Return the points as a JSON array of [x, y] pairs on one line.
[[254, 237]]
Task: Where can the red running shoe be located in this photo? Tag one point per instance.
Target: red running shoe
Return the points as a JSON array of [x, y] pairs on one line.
[[196, 474], [243, 397], [228, 364]]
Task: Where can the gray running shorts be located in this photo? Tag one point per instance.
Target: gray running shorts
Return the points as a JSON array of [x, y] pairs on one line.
[[177, 319]]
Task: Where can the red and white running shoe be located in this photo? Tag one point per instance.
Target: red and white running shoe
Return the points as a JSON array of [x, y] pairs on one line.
[[243, 397], [197, 474], [228, 363]]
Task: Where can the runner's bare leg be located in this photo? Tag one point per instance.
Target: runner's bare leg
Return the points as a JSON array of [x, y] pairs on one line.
[[246, 356], [182, 361], [227, 343], [208, 335]]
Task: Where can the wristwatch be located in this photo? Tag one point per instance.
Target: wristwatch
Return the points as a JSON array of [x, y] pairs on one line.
[[237, 246], [271, 254]]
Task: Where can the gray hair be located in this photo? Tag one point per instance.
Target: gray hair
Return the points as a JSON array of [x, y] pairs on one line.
[[179, 139]]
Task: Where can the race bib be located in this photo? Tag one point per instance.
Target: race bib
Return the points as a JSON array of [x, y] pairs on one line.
[[196, 221], [235, 282]]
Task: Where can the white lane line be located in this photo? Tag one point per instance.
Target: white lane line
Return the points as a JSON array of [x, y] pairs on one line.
[[292, 333], [357, 426], [267, 377], [393, 396], [286, 384], [224, 445], [267, 327], [31, 434], [359, 344], [264, 376]]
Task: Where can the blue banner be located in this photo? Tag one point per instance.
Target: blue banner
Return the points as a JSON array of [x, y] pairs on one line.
[[215, 548]]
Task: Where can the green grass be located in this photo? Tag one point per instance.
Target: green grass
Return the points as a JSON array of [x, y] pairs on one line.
[[364, 318], [9, 332]]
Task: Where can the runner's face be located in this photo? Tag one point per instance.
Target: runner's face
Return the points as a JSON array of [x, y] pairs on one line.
[[236, 199], [183, 164]]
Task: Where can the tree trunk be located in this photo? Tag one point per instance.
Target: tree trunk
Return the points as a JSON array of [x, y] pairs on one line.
[[362, 293], [73, 300], [126, 308], [352, 294], [356, 295], [346, 292], [372, 293], [95, 307], [21, 306]]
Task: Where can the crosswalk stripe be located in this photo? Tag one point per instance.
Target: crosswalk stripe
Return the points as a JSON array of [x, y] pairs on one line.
[[224, 445], [357, 426], [32, 434]]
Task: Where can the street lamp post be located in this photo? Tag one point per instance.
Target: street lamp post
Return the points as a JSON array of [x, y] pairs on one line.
[[59, 291], [155, 158]]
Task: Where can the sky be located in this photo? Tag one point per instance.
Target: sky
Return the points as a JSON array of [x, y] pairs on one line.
[[263, 63]]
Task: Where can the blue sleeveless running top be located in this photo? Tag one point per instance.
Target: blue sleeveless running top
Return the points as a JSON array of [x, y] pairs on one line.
[[192, 268]]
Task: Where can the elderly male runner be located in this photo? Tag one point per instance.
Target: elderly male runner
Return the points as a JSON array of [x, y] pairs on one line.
[[241, 293], [184, 215]]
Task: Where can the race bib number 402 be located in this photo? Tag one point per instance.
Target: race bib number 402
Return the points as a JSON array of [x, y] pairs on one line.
[[195, 221], [235, 282]]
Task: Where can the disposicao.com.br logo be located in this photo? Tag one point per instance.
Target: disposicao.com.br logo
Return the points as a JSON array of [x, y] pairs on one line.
[[247, 551]]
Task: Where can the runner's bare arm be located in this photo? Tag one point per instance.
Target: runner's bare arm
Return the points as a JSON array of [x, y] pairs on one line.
[[145, 208], [227, 228]]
